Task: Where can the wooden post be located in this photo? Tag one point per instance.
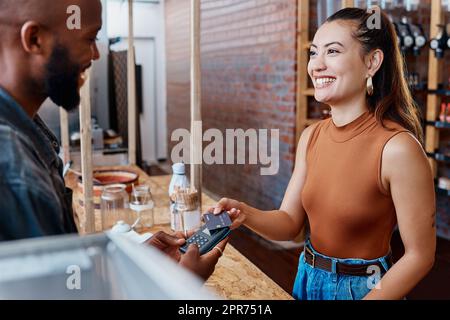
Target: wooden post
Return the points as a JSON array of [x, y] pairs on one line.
[[131, 89], [64, 124], [302, 59], [196, 116], [434, 76], [86, 156], [303, 91]]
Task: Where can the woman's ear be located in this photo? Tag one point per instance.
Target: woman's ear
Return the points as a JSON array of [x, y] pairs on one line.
[[374, 61]]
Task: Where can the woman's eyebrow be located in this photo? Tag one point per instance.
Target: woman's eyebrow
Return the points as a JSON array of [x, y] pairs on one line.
[[329, 44]]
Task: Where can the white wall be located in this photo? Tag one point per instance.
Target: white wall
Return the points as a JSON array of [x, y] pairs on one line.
[[148, 24]]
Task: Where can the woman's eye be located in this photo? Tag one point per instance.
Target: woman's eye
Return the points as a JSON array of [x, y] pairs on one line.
[[311, 53], [332, 51]]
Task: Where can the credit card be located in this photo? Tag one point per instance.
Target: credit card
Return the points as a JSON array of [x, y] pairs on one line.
[[214, 222]]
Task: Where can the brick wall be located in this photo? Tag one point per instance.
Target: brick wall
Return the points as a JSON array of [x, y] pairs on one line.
[[248, 69]]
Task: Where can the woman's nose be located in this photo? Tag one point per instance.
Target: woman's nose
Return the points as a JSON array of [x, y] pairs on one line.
[[318, 63]]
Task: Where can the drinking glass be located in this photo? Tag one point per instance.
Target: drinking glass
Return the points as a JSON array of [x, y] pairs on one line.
[[114, 206], [142, 203]]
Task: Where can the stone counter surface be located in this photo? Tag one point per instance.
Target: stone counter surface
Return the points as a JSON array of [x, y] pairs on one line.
[[235, 277]]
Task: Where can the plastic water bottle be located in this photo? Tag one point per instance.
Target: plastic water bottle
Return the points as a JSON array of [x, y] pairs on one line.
[[179, 181]]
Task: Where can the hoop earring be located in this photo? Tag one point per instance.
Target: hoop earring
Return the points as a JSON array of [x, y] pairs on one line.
[[369, 86]]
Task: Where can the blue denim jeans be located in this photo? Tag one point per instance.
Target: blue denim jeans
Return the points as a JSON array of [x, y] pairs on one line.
[[317, 284]]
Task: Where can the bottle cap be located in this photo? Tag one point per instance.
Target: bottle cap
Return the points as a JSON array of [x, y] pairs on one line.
[[178, 168]]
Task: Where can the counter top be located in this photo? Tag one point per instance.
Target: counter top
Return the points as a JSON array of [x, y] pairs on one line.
[[235, 277]]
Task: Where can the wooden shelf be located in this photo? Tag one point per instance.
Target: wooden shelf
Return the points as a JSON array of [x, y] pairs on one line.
[[442, 192], [440, 92], [439, 124], [435, 69], [303, 42], [308, 92], [439, 157]]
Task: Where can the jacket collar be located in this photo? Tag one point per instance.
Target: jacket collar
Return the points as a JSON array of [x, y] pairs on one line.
[[45, 143]]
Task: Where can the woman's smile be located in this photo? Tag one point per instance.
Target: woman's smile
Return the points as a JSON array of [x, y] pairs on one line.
[[324, 82]]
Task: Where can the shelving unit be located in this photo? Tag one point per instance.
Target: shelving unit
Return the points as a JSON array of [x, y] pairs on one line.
[[435, 128], [442, 192], [303, 44], [434, 76], [438, 125], [440, 92], [439, 157]]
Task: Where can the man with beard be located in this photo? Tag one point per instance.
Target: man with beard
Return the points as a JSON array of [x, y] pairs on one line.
[[40, 58]]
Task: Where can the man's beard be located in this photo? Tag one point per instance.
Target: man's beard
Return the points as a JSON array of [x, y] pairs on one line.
[[61, 79]]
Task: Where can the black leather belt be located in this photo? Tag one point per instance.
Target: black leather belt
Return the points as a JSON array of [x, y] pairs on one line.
[[326, 264]]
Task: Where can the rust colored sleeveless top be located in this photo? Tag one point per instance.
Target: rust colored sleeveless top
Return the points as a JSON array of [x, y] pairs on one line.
[[350, 213]]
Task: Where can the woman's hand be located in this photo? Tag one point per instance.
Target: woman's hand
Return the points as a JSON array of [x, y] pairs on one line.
[[234, 209]]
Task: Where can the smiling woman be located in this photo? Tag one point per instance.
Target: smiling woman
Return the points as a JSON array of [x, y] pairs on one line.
[[358, 174], [337, 68]]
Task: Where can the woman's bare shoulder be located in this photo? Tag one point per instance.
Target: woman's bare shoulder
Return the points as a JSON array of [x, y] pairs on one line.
[[308, 131], [403, 143], [302, 144], [404, 151]]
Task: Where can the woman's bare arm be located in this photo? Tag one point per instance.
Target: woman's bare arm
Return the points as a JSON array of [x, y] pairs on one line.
[[407, 173], [287, 222]]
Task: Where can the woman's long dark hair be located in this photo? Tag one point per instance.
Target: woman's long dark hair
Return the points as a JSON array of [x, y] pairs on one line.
[[392, 97]]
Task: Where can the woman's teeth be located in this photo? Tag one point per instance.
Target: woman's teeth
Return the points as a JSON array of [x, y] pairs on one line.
[[324, 81]]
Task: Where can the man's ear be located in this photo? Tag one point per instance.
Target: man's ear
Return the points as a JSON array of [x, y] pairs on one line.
[[31, 36], [374, 61]]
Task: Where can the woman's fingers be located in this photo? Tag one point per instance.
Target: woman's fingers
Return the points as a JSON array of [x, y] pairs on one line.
[[223, 204], [232, 207], [234, 213], [237, 219]]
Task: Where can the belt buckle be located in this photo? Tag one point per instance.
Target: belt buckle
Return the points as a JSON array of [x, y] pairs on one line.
[[313, 256]]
